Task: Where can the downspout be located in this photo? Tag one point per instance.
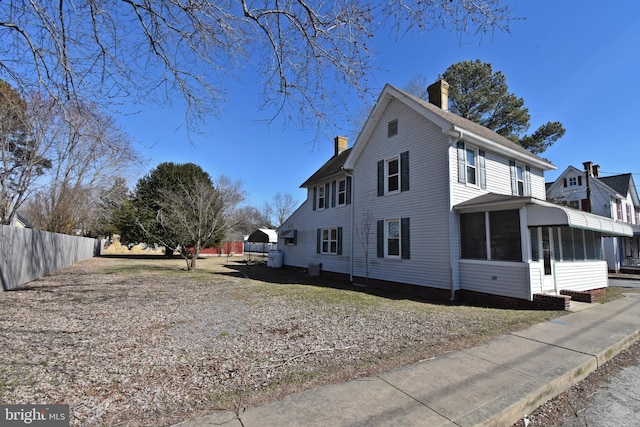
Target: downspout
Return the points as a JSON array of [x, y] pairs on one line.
[[452, 217], [349, 173]]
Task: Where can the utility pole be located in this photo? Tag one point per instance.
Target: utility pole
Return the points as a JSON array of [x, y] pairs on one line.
[[588, 170]]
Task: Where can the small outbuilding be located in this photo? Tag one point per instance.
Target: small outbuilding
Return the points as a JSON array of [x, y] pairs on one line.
[[262, 240]]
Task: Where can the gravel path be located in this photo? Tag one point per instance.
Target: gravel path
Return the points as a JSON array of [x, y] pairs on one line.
[[143, 343]]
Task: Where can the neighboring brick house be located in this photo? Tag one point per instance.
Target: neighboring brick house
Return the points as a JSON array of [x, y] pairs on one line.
[[429, 203], [614, 197]]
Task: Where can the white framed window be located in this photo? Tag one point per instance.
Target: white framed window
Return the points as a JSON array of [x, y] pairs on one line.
[[329, 241], [471, 165], [321, 197], [573, 181], [342, 192], [392, 238], [393, 175], [520, 179]]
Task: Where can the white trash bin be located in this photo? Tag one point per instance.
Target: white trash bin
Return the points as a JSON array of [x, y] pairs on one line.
[[274, 259]]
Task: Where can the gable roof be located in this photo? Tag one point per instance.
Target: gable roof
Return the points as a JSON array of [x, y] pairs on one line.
[[450, 123], [333, 167], [620, 183]]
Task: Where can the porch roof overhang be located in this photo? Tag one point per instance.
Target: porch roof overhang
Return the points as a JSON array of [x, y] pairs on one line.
[[542, 213], [560, 215], [289, 234]]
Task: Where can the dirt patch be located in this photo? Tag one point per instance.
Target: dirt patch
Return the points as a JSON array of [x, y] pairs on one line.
[[144, 342]]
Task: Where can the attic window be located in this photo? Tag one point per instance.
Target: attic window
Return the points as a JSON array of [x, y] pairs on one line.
[[392, 128]]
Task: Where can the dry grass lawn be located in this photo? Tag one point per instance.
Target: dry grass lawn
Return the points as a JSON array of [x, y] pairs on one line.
[[145, 342]]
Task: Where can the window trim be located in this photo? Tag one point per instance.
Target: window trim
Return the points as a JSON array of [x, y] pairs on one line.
[[342, 192], [330, 231], [467, 166], [388, 175], [322, 197], [387, 238]]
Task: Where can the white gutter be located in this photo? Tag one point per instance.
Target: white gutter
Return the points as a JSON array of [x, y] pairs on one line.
[[349, 173], [471, 137]]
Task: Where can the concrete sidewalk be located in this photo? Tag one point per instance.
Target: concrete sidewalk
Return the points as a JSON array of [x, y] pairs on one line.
[[495, 384]]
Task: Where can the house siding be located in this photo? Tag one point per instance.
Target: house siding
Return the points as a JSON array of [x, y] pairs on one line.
[[306, 221], [581, 276], [509, 279], [426, 203]]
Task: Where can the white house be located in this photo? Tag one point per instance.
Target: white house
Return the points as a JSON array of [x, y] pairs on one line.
[[429, 203], [614, 197]]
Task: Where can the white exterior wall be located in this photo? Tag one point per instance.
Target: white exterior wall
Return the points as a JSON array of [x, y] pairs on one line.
[[426, 203], [581, 276], [496, 277], [306, 221], [536, 278]]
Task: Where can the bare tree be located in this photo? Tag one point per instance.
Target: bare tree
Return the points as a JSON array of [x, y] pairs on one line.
[[87, 150], [102, 51], [21, 157], [248, 219], [363, 234], [198, 215], [280, 208]]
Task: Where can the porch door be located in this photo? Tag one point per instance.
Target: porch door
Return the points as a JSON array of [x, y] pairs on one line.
[[548, 258]]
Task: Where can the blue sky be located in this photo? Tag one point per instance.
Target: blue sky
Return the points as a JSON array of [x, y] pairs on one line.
[[575, 62]]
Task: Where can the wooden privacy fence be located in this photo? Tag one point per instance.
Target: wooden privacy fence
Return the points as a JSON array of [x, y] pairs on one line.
[[27, 254]]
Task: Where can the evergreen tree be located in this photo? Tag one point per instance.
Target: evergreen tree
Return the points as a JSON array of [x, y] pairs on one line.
[[481, 95]]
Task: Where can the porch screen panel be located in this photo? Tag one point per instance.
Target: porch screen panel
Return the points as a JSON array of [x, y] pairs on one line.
[[578, 244], [566, 239], [504, 229], [473, 235]]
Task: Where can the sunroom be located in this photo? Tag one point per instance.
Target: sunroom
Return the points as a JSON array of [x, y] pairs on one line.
[[521, 246]]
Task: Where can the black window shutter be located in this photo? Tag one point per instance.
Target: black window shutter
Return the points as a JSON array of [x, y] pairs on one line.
[[404, 239], [333, 194], [381, 178], [318, 240], [295, 237], [380, 239], [327, 188], [315, 197], [348, 190], [339, 241], [404, 171], [462, 176]]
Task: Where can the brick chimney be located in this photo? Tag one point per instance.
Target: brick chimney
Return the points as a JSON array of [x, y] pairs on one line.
[[596, 171], [588, 168], [340, 144], [439, 94]]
